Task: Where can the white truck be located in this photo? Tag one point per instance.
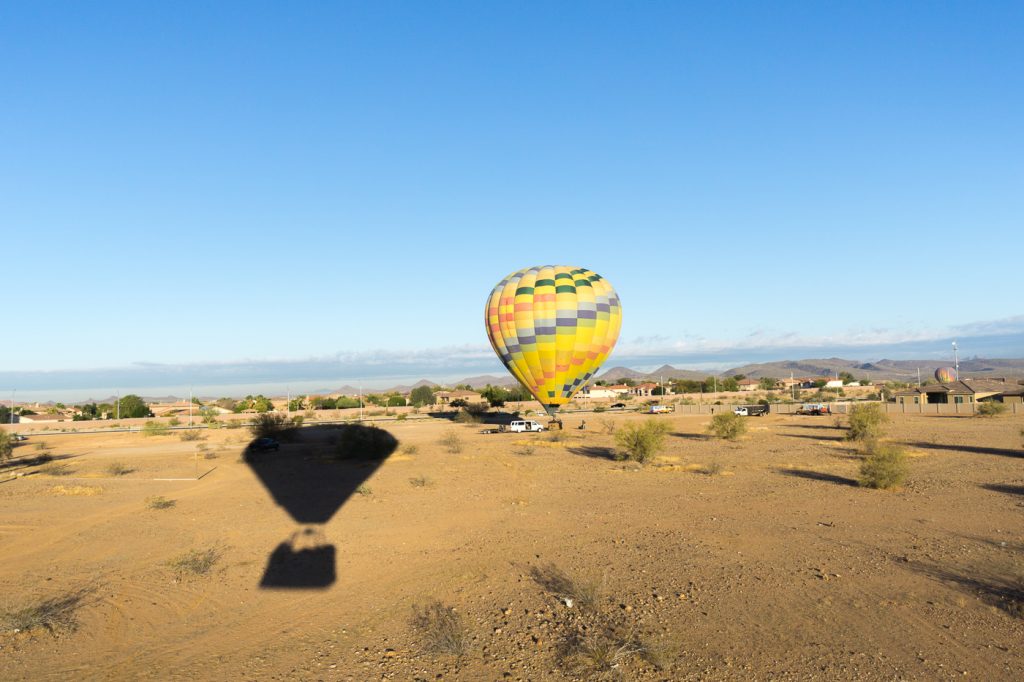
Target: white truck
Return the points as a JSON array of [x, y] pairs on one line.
[[519, 426]]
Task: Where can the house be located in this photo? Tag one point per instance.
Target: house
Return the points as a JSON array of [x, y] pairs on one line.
[[956, 392], [599, 392], [620, 389], [964, 391], [446, 397], [748, 384], [834, 383], [644, 390]]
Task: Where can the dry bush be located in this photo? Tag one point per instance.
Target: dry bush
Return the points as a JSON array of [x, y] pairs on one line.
[[159, 502], [641, 442], [452, 442], [197, 562], [358, 441], [364, 490], [884, 467], [6, 446], [55, 615], [410, 449], [583, 595], [727, 425], [609, 426], [118, 469], [713, 469], [867, 422], [441, 629], [465, 417], [991, 408], [420, 481], [268, 425], [191, 435], [56, 469]]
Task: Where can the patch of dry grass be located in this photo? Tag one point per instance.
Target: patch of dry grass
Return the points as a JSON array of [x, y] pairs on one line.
[[55, 615], [441, 629], [76, 490]]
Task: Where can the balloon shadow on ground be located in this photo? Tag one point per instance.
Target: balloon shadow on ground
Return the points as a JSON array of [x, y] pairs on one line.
[[311, 472], [974, 449]]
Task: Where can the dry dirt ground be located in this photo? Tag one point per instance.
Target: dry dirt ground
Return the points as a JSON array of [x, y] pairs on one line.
[[751, 560]]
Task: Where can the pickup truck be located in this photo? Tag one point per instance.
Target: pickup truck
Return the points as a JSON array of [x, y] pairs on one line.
[[750, 410]]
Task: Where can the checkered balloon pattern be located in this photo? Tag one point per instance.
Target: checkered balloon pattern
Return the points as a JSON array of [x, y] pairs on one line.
[[553, 326]]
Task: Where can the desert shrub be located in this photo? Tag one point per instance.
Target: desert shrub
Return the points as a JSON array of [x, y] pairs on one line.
[[727, 425], [584, 595], [174, 421], [609, 426], [195, 562], [6, 446], [410, 449], [42, 447], [357, 441], [884, 467], [364, 490], [641, 442], [600, 408], [401, 417], [76, 490], [155, 429], [420, 481], [466, 417], [191, 435], [159, 502], [525, 451], [713, 469], [441, 629], [991, 408], [867, 422], [55, 615], [268, 425], [451, 442], [118, 469]]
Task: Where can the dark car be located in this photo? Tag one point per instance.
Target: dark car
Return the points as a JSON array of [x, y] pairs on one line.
[[618, 406], [265, 444]]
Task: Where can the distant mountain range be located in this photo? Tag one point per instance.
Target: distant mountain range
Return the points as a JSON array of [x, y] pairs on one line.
[[881, 370]]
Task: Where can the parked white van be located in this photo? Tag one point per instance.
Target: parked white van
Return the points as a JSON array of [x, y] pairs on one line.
[[520, 426]]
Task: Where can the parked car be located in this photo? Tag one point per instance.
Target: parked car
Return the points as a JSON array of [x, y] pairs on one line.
[[660, 409], [750, 410], [522, 425], [265, 444], [618, 406]]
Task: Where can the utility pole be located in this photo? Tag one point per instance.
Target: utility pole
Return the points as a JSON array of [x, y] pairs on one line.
[[190, 407], [14, 395], [360, 402], [919, 377], [956, 362], [118, 401]]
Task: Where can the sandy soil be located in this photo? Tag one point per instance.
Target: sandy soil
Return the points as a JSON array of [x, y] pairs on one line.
[[776, 566]]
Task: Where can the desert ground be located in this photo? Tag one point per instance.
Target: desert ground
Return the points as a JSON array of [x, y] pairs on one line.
[[759, 559]]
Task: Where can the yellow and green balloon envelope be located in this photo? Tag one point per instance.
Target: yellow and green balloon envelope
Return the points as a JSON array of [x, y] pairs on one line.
[[553, 326], [945, 375]]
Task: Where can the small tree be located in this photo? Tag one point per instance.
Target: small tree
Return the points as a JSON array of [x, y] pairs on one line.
[[767, 383], [422, 395], [132, 406], [884, 467], [6, 446], [641, 442], [867, 422], [727, 425]]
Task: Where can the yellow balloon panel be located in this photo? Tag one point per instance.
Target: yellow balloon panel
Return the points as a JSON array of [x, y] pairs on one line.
[[553, 326]]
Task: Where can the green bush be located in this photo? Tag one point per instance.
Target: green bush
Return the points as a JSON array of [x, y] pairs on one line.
[[6, 446], [884, 467], [155, 429], [867, 422], [991, 408], [641, 442], [727, 425]]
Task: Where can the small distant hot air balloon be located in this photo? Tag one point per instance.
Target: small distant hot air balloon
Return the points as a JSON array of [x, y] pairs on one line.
[[553, 326], [945, 375]]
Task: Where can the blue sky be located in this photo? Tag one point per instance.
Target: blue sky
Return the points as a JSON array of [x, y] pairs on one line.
[[215, 183]]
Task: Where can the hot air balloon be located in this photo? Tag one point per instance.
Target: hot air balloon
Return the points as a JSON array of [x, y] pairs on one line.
[[553, 326], [945, 375]]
